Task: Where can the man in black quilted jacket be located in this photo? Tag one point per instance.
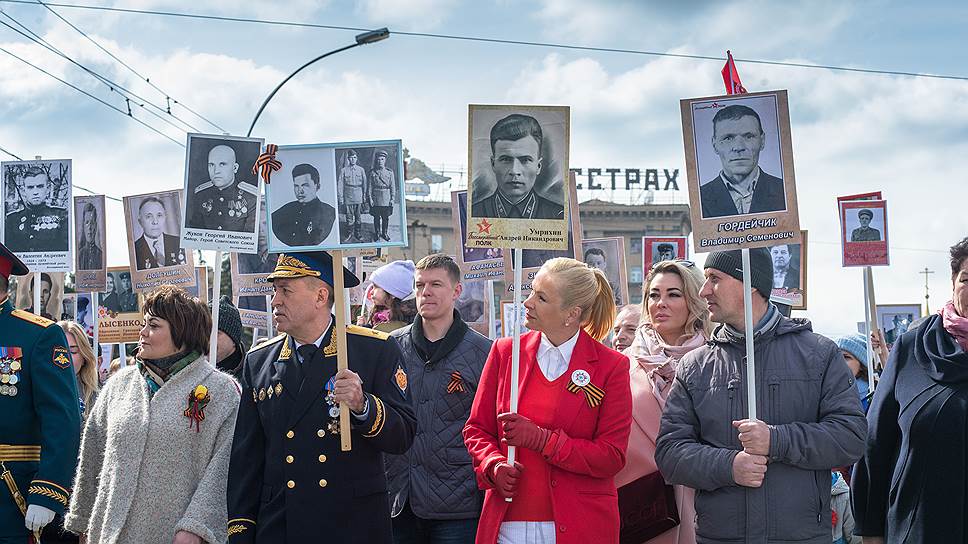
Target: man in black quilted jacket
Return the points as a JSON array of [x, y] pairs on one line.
[[433, 491]]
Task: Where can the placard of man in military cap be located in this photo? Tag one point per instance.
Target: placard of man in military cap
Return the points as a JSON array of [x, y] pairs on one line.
[[865, 233], [37, 214]]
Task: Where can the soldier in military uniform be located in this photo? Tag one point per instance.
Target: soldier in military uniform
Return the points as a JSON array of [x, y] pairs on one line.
[[865, 233], [38, 226], [41, 421], [90, 256], [383, 194], [353, 193], [289, 481], [155, 248], [128, 298], [307, 221], [223, 203]]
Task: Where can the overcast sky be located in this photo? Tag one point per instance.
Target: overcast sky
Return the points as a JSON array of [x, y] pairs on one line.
[[851, 132]]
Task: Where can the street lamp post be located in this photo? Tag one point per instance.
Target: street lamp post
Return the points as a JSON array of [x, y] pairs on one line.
[[372, 36]]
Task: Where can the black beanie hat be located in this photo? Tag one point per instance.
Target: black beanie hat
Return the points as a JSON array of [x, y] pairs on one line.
[[229, 320], [731, 262]]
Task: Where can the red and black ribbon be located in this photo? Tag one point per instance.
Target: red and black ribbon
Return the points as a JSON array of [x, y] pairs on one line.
[[456, 384], [593, 394], [197, 400], [267, 163]]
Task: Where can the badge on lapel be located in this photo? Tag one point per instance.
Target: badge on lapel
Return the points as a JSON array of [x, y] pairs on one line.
[[582, 381], [400, 379]]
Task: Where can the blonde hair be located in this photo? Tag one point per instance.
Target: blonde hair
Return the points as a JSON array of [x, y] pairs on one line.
[[587, 288], [87, 380], [692, 280]]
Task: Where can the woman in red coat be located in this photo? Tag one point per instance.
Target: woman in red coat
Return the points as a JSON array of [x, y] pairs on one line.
[[572, 425]]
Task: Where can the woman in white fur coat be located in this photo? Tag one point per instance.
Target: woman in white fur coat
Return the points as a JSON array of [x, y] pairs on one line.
[[155, 451]]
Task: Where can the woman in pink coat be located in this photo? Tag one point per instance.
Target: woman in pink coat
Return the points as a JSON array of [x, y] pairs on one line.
[[675, 320]]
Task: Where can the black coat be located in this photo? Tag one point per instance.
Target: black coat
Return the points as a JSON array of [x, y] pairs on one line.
[[717, 202], [912, 484], [297, 224], [145, 258], [288, 479], [543, 208]]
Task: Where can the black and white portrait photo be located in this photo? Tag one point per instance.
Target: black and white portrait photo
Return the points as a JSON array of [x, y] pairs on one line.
[[471, 255], [866, 225], [786, 266], [656, 249], [119, 296], [261, 262], [472, 302], [37, 213], [608, 255], [738, 151], [153, 224], [51, 294], [368, 189], [89, 232], [222, 193]]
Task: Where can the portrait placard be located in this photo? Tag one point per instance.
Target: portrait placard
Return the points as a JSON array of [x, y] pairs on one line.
[[863, 233], [739, 166], [507, 318], [532, 259], [895, 319], [37, 213], [790, 273], [518, 172], [51, 294], [608, 255], [337, 196], [200, 289], [85, 314], [472, 305], [476, 263], [221, 201], [119, 308], [90, 239], [249, 270], [252, 311], [656, 249], [154, 246]]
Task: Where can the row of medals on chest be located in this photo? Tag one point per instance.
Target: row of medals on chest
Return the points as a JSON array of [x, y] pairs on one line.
[[239, 207], [333, 407], [9, 376]]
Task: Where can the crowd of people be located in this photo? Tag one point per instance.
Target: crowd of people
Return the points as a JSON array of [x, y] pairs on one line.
[[626, 424]]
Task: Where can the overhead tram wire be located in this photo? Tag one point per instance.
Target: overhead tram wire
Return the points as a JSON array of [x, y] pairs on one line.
[[128, 95], [82, 91], [74, 185], [493, 40], [135, 72]]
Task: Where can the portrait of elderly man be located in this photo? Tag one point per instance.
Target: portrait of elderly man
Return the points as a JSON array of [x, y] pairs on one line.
[[785, 276], [223, 202], [742, 186], [90, 255], [308, 220], [38, 226], [664, 252], [865, 233], [155, 248], [517, 161]]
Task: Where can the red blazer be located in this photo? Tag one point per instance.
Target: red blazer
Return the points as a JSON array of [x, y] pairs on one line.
[[589, 451]]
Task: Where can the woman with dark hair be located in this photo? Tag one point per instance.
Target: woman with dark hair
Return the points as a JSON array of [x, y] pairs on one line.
[[912, 484], [155, 451], [390, 297], [571, 428]]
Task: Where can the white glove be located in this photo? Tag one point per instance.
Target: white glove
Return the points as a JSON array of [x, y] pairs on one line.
[[38, 517]]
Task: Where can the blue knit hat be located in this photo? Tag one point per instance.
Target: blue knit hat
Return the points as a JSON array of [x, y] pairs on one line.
[[855, 344]]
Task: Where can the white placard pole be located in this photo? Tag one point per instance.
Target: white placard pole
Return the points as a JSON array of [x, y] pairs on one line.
[[750, 359], [36, 280], [491, 311], [216, 289], [516, 343], [868, 317], [270, 329], [94, 304], [122, 355]]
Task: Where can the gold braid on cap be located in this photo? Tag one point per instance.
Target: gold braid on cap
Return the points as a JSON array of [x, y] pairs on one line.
[[290, 267]]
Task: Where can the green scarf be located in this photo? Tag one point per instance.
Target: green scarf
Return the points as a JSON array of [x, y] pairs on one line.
[[158, 371]]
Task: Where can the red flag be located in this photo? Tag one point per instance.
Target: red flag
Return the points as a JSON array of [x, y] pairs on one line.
[[731, 77]]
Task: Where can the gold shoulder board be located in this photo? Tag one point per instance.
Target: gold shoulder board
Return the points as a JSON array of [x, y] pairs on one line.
[[269, 342], [35, 319], [366, 331]]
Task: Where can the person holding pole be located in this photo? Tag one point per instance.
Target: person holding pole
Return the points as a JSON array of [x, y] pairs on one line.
[[767, 479], [289, 481], [912, 484], [41, 424], [572, 426]]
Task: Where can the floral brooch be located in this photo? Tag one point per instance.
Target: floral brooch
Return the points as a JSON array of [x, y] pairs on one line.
[[197, 400]]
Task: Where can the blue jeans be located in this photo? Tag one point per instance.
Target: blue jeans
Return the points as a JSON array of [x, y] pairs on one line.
[[409, 529]]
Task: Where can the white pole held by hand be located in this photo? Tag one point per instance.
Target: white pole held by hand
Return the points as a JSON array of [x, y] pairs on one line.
[[216, 289], [515, 343], [92, 310], [867, 330], [36, 279], [750, 359]]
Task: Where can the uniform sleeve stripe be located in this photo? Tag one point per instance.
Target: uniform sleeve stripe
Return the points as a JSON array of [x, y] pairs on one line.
[[52, 484], [246, 520], [379, 420]]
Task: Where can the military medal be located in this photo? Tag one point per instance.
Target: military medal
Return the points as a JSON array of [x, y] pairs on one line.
[[580, 378], [333, 410], [278, 389]]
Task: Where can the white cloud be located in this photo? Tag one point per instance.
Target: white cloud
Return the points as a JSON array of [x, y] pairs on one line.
[[411, 15]]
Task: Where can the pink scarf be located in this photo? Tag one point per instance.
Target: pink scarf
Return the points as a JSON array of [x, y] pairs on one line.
[[659, 359], [956, 325]]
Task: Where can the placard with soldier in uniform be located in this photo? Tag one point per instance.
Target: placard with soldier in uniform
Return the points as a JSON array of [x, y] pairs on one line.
[[37, 213], [90, 243]]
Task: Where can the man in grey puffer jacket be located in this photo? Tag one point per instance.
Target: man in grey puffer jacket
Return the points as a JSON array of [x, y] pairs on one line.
[[433, 491], [766, 480]]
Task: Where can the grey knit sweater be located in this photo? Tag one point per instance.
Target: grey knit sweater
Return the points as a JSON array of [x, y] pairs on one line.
[[144, 474]]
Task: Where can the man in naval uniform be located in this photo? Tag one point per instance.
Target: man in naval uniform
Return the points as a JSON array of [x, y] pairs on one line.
[[865, 233], [516, 161], [38, 226], [307, 221], [289, 481], [223, 203], [41, 419]]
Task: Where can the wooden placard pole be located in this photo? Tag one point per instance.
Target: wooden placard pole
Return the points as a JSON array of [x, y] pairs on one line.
[[872, 318], [748, 311], [342, 361], [516, 343], [869, 325]]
